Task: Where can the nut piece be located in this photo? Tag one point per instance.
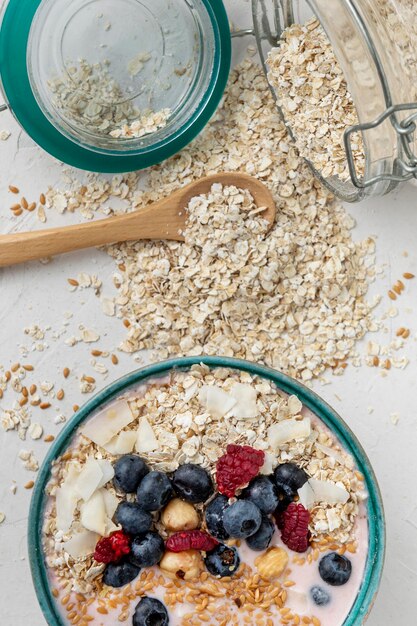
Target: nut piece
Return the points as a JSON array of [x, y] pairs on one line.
[[272, 563], [186, 565], [179, 515]]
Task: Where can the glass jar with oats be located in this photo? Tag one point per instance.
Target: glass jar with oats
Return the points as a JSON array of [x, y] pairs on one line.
[[343, 75]]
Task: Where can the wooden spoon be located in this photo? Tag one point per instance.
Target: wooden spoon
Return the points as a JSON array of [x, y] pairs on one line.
[[165, 219]]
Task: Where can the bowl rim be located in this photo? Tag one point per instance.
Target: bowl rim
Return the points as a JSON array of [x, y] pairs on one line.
[[16, 17], [376, 520]]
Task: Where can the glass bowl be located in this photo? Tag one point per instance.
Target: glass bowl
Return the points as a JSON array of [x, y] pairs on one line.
[[109, 86], [373, 570]]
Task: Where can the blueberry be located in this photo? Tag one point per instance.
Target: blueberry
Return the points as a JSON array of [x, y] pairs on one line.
[[147, 550], [319, 596], [289, 478], [335, 569], [192, 483], [214, 517], [120, 574], [155, 491], [128, 472], [222, 561], [242, 519], [150, 612], [132, 518], [262, 538], [262, 492]]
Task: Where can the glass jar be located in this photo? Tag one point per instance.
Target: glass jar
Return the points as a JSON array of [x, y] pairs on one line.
[[375, 43]]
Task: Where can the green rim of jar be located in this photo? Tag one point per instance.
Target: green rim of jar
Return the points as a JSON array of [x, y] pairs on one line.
[[15, 28], [376, 522]]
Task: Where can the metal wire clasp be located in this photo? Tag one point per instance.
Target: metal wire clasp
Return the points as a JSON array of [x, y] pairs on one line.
[[405, 130]]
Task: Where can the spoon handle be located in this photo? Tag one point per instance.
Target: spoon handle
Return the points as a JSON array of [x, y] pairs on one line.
[[156, 221]]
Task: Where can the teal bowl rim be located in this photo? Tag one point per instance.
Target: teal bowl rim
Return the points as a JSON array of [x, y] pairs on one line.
[[17, 17], [309, 398]]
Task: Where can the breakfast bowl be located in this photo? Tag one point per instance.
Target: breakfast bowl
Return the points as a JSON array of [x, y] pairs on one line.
[[206, 490]]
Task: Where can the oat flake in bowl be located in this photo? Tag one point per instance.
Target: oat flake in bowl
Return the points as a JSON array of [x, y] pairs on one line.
[[142, 512]]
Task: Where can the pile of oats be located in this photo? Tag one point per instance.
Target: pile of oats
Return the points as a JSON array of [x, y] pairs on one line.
[[314, 97], [89, 95], [294, 298]]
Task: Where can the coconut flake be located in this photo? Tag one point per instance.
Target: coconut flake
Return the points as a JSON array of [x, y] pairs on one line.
[[123, 443], [315, 491], [81, 544], [66, 499], [216, 401], [89, 480], [107, 471], [246, 406], [146, 440], [270, 462], [288, 430], [338, 456], [93, 514], [111, 502], [108, 423]]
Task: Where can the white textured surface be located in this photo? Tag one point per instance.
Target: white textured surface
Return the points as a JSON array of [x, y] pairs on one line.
[[37, 293]]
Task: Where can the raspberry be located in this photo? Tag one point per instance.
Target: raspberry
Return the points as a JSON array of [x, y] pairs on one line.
[[191, 540], [112, 548], [237, 467], [294, 526]]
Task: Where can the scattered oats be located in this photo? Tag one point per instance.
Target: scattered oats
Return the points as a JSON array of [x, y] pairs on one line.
[[60, 419], [13, 488], [35, 430], [4, 135], [109, 306], [137, 64], [315, 100], [89, 336], [370, 410], [29, 461], [395, 418], [2, 515]]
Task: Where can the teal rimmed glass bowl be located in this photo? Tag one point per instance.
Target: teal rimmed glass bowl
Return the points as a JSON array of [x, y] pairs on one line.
[[311, 400], [74, 71]]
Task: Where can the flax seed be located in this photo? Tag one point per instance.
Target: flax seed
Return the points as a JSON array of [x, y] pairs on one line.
[[7, 376], [316, 621], [75, 408], [60, 394], [400, 331], [25, 392], [55, 593], [392, 295], [122, 267], [89, 379], [289, 583], [406, 334], [397, 289], [387, 364], [306, 620], [15, 207], [114, 359], [102, 610], [70, 606], [13, 189], [48, 438], [24, 203], [73, 282], [1, 394], [71, 615], [31, 207], [35, 402], [15, 367], [296, 620], [408, 275], [23, 401], [375, 361], [18, 212], [44, 405], [96, 352], [42, 199], [126, 323], [66, 372]]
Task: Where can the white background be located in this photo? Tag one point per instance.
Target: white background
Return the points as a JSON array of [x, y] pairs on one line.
[[36, 293]]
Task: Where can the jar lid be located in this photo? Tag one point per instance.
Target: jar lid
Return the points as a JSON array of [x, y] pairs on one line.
[[114, 87]]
